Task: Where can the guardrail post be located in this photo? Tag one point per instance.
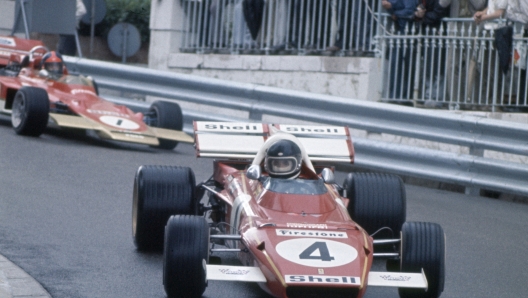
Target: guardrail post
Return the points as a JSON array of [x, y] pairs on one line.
[[471, 190], [255, 115]]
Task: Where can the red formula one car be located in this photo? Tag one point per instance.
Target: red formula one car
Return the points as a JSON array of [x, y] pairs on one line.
[[33, 96], [272, 201]]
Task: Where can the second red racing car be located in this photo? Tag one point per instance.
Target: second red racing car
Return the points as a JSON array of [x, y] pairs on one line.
[[36, 88]]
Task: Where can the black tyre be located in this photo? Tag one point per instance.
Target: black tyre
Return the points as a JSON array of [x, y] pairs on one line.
[[376, 201], [30, 111], [166, 115], [159, 192], [423, 246], [185, 255]]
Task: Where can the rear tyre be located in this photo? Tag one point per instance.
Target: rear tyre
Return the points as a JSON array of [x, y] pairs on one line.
[[166, 115], [30, 112], [185, 256], [159, 192], [376, 201], [423, 246]]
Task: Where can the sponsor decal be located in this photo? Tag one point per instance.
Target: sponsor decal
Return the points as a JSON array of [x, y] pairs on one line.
[[107, 113], [230, 127], [6, 41], [323, 279], [134, 136], [302, 129], [306, 226], [82, 91], [5, 53], [311, 233], [316, 252], [395, 278], [234, 272], [119, 122]]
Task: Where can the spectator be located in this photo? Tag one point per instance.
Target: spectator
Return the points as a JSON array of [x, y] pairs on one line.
[[494, 10], [403, 13], [517, 13], [455, 30], [430, 14], [67, 43], [467, 8]]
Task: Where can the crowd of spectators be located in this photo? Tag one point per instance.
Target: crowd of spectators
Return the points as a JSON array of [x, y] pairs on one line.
[[336, 26]]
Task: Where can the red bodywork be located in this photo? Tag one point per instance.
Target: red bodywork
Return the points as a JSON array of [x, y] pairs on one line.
[[70, 94], [292, 237]]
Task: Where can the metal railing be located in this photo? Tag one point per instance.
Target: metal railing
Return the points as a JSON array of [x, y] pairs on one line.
[[278, 26], [456, 65], [477, 133]]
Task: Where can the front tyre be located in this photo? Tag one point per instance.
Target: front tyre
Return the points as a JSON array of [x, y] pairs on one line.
[[159, 192], [377, 201], [167, 115], [30, 111], [423, 246], [185, 255]]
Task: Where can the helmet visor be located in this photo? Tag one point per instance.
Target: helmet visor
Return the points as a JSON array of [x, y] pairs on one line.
[[54, 67], [282, 165]]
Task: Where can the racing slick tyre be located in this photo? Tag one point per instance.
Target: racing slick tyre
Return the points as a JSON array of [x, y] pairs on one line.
[[166, 115], [159, 192], [185, 256], [423, 246], [30, 111], [377, 201]]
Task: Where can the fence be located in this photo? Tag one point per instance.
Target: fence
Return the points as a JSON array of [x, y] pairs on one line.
[[456, 65], [278, 26], [472, 170]]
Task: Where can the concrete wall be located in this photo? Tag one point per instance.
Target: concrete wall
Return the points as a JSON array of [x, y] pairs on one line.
[[351, 77]]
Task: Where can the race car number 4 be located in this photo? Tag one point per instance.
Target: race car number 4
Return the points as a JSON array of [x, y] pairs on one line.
[[316, 252], [119, 122]]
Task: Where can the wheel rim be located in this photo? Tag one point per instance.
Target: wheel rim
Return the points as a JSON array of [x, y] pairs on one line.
[[135, 211], [18, 113]]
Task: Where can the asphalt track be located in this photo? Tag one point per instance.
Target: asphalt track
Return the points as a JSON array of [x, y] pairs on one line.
[[65, 219]]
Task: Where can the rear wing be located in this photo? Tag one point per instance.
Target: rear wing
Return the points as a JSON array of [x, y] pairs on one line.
[[323, 143], [13, 46]]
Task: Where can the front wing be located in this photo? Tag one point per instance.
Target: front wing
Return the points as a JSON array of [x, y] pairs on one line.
[[254, 274], [149, 137]]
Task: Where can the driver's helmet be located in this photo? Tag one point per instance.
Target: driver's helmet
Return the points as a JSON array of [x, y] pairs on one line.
[[283, 159], [52, 62]]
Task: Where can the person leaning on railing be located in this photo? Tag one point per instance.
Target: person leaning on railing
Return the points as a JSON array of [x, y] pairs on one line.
[[429, 15], [402, 12], [516, 13]]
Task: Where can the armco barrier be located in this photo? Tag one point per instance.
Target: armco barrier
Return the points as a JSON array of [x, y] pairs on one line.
[[477, 133]]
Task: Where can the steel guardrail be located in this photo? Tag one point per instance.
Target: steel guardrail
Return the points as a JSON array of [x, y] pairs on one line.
[[475, 132]]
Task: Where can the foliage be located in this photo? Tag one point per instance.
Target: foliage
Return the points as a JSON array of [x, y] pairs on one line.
[[135, 12]]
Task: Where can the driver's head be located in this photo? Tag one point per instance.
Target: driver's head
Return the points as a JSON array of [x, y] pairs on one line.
[[283, 159], [52, 62]]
